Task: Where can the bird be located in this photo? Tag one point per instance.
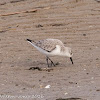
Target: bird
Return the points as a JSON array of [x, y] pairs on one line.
[[51, 47]]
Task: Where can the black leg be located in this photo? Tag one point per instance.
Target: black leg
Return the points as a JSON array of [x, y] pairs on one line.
[[52, 63], [47, 61]]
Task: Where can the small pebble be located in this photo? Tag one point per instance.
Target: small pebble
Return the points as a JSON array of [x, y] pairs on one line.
[[66, 93], [92, 78], [48, 86], [23, 88], [87, 73], [78, 86], [39, 26], [98, 90], [98, 1], [41, 86], [16, 84], [90, 26], [84, 34], [97, 58]]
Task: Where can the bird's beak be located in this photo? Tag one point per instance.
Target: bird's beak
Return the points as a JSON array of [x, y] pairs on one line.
[[71, 60]]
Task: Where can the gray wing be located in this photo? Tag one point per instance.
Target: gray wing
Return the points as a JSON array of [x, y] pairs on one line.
[[48, 44]]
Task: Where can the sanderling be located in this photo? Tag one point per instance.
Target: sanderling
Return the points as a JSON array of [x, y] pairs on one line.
[[52, 47]]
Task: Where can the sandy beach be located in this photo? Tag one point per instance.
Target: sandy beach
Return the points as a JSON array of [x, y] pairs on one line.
[[76, 23]]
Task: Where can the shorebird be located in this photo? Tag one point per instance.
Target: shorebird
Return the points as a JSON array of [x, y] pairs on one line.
[[52, 47]]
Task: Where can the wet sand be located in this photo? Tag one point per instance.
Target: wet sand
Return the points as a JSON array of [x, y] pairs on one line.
[[76, 23]]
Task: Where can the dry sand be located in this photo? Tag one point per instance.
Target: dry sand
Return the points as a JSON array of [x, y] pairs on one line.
[[74, 22]]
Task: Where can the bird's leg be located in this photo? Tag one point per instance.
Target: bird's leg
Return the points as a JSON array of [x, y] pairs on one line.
[[52, 63], [47, 61]]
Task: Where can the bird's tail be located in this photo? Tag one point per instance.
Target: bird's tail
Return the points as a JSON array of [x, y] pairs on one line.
[[29, 40], [33, 43]]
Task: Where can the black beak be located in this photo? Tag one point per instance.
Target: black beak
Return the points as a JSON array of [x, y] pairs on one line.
[[71, 60]]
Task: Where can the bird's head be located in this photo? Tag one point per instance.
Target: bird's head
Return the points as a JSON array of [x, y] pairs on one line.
[[69, 53]]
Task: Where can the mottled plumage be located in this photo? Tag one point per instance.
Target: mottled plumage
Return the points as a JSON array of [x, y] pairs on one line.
[[51, 47], [49, 44]]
